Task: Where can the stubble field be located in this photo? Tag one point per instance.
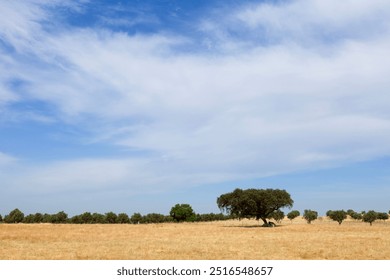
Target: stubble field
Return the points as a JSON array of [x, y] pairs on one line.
[[243, 240]]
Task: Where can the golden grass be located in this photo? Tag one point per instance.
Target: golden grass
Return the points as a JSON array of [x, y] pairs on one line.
[[242, 240]]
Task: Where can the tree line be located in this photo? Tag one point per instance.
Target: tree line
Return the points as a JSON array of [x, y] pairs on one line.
[[261, 204], [178, 213]]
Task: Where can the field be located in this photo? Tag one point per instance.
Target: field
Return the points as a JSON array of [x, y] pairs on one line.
[[244, 239]]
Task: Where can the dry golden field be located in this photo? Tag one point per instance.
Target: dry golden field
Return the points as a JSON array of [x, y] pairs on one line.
[[244, 239]]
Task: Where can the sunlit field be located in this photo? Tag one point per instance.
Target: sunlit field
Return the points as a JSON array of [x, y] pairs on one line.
[[323, 239]]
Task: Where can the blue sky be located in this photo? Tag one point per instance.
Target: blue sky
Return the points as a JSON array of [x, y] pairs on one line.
[[134, 106]]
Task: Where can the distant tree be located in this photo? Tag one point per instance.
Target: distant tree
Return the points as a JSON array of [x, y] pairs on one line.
[[46, 218], [136, 218], [278, 215], [76, 219], [111, 218], [370, 217], [98, 218], [350, 212], [123, 218], [154, 218], [29, 219], [356, 216], [208, 217], [293, 214], [254, 203], [338, 216], [86, 218], [59, 218], [15, 216], [383, 216], [1, 218], [38, 218], [310, 215], [182, 212], [328, 213]]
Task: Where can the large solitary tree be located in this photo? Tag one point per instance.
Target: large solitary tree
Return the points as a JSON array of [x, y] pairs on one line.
[[254, 203]]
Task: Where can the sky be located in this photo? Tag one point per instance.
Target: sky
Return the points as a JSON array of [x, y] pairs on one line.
[[135, 106]]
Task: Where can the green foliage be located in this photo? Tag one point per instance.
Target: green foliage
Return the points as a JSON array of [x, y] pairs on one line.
[[86, 218], [38, 218], [356, 216], [136, 218], [155, 218], [293, 214], [46, 218], [1, 218], [15, 216], [59, 218], [382, 216], [350, 212], [76, 219], [211, 217], [277, 215], [182, 212], [111, 218], [98, 218], [370, 217], [254, 203], [29, 219], [338, 216], [328, 213], [310, 215], [123, 218]]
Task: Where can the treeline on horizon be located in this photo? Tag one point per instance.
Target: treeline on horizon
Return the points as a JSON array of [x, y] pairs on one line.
[[17, 216], [179, 213]]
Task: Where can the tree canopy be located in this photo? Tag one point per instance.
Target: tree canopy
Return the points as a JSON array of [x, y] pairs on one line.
[[15, 216], [311, 215], [370, 217], [182, 212], [293, 214], [337, 215], [254, 203]]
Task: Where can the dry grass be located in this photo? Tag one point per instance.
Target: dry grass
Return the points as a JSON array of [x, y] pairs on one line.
[[215, 240]]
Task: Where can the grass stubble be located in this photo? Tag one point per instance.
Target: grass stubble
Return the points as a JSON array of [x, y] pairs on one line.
[[223, 240]]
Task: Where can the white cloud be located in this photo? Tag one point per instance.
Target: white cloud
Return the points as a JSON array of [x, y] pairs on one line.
[[316, 18], [247, 113]]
